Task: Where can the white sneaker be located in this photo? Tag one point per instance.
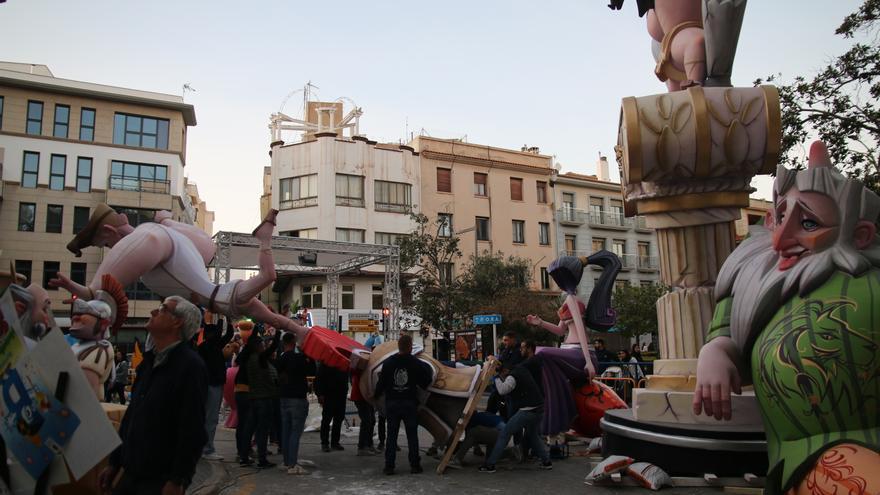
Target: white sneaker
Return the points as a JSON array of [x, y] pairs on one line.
[[212, 457], [297, 469]]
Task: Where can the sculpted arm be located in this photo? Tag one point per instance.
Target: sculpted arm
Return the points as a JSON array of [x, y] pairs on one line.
[[717, 368], [582, 334]]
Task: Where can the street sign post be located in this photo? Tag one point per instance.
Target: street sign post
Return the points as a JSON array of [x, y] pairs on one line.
[[493, 320]]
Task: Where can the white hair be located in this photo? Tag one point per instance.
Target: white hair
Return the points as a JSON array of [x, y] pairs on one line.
[[189, 313]]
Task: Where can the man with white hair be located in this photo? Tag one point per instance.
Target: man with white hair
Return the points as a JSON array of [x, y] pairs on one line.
[[163, 428], [798, 315]]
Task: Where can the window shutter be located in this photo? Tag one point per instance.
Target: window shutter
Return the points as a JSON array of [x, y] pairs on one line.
[[444, 180], [516, 189]]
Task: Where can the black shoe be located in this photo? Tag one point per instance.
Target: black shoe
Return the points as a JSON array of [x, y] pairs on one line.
[[487, 468], [336, 446], [417, 469], [389, 470], [245, 463], [546, 465], [264, 464], [380, 447], [325, 448]]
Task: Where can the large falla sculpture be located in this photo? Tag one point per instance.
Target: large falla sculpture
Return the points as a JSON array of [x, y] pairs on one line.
[[793, 311]]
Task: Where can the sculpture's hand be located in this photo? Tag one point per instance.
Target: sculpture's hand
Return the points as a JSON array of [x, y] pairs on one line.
[[533, 320], [105, 479], [589, 370], [717, 377], [162, 215], [61, 281]]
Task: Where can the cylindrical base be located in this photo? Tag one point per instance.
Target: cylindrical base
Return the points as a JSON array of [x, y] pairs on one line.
[[685, 450]]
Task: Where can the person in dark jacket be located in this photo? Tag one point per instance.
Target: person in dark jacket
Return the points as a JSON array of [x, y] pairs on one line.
[[263, 383], [331, 387], [243, 435], [121, 378], [400, 376], [293, 369], [527, 403], [511, 353], [211, 352], [163, 430]]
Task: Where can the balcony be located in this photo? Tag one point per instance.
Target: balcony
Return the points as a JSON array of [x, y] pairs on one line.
[[392, 207], [136, 192], [628, 261], [641, 223], [298, 203], [648, 263], [126, 183], [613, 220], [571, 216]]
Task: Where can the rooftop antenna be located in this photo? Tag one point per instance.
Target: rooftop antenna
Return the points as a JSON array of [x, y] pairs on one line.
[[186, 87]]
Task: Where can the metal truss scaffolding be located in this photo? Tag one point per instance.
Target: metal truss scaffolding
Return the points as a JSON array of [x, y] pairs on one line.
[[297, 256]]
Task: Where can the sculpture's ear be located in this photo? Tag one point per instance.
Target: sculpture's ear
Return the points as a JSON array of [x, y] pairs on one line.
[[769, 221], [20, 307], [864, 234]]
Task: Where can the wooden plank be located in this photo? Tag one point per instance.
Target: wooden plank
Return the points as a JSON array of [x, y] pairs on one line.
[[485, 376]]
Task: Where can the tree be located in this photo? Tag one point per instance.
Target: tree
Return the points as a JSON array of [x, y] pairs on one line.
[[839, 104], [636, 308]]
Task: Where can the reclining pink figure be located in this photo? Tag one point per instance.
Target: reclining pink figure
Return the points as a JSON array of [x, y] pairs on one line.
[[170, 258]]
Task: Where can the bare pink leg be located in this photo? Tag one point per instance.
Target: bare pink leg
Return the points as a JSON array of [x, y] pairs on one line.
[[689, 50], [134, 255], [248, 289]]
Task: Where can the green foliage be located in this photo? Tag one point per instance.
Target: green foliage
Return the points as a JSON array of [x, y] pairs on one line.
[[839, 103], [636, 308]]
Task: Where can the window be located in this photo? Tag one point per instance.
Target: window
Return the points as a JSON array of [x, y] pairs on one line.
[[349, 190], [482, 224], [54, 215], [378, 296], [301, 233], [87, 124], [62, 121], [620, 284], [542, 191], [596, 210], [617, 217], [30, 168], [598, 244], [24, 267], [444, 180], [519, 231], [480, 184], [139, 291], [645, 255], [568, 212], [544, 233], [142, 177], [80, 218], [312, 296], [444, 225], [1, 112], [34, 117], [144, 132], [389, 238], [392, 196], [83, 174], [446, 273], [347, 297], [545, 278], [570, 243], [78, 273], [50, 271], [27, 212], [57, 169], [618, 247], [298, 192], [515, 189], [754, 219], [136, 216], [350, 235]]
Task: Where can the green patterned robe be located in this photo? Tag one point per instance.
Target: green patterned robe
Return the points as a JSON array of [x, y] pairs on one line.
[[816, 371]]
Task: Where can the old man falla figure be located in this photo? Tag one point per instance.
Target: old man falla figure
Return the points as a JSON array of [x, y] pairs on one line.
[[798, 315]]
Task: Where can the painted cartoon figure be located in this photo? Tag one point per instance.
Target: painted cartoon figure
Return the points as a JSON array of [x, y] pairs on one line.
[[797, 315], [576, 359]]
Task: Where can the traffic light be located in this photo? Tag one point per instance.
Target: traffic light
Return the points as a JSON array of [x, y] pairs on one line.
[[386, 312]]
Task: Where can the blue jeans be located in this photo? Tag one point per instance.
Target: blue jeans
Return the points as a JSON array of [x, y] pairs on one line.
[[406, 411], [293, 421], [212, 415], [530, 421]]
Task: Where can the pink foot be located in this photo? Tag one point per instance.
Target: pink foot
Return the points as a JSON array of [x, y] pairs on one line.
[[264, 231]]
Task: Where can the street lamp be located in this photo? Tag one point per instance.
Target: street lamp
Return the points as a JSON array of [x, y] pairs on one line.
[[474, 230]]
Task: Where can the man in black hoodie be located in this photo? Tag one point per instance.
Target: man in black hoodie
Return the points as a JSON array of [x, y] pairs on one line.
[[211, 352], [400, 376]]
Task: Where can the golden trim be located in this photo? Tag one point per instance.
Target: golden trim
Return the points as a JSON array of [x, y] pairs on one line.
[[773, 116], [702, 131], [694, 201], [629, 110]]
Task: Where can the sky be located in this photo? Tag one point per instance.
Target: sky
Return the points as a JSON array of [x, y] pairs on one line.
[[502, 73]]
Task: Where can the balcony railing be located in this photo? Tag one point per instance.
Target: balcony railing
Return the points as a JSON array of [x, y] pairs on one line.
[[124, 183], [298, 203], [641, 223], [648, 263], [572, 216], [344, 201], [605, 218], [393, 207]]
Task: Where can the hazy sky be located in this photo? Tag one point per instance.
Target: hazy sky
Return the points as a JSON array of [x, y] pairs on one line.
[[506, 73]]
